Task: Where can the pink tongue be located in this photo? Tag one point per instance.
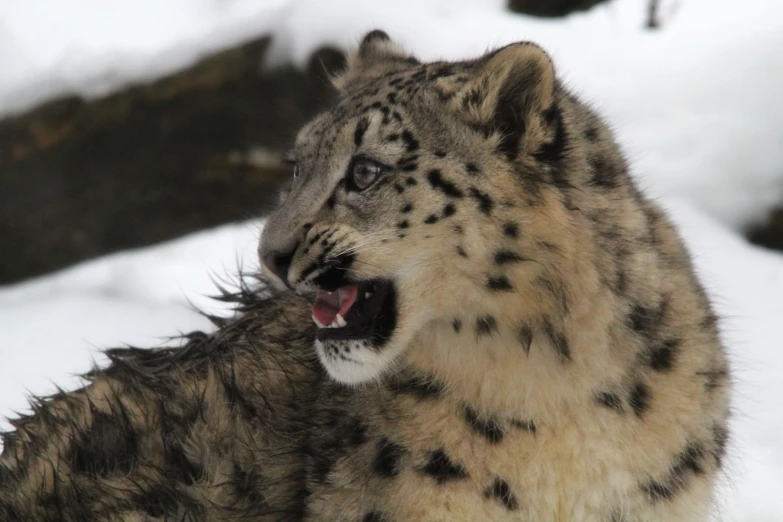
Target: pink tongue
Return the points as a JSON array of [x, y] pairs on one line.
[[329, 304]]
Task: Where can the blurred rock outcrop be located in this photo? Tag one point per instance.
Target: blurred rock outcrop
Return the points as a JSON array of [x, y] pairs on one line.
[[770, 233], [202, 147], [551, 8], [82, 178]]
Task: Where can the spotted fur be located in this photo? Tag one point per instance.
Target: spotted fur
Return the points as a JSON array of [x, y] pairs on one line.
[[549, 353]]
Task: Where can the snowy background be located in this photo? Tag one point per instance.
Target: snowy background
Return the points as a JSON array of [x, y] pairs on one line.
[[696, 106]]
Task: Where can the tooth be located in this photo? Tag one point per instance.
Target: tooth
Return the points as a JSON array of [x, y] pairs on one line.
[[367, 295], [340, 321], [333, 325], [318, 323]]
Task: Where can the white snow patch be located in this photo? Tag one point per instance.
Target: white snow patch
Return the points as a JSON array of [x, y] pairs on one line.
[[696, 104], [53, 326]]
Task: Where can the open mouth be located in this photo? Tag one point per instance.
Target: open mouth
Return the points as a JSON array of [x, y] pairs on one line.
[[365, 310]]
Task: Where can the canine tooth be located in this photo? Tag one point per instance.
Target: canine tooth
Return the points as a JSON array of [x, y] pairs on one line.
[[340, 321], [333, 325], [318, 323]]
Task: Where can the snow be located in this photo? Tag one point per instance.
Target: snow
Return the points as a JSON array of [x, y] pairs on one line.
[[683, 99], [695, 105], [52, 328]]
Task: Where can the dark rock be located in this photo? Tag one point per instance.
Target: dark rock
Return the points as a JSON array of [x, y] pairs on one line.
[[551, 8], [770, 233], [196, 149]]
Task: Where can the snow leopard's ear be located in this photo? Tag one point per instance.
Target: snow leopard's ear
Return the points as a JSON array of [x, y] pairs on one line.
[[377, 55], [512, 94]]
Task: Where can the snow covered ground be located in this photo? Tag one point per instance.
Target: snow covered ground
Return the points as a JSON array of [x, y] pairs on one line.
[[696, 106], [684, 99]]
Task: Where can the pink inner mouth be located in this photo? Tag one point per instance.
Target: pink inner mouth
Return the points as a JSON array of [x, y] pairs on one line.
[[328, 304]]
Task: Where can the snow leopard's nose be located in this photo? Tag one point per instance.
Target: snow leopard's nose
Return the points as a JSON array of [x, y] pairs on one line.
[[279, 263]]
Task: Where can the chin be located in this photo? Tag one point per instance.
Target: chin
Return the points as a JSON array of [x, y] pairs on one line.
[[356, 323], [351, 362]]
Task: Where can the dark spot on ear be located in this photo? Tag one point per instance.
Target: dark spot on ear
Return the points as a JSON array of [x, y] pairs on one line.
[[558, 340], [511, 230], [447, 187], [504, 257], [449, 210], [361, 128], [499, 283], [509, 122], [411, 143], [486, 325], [431, 219], [403, 224], [639, 399], [663, 355], [609, 400], [485, 203], [461, 251], [525, 336], [387, 458], [554, 151], [440, 467], [457, 324], [488, 427], [501, 491]]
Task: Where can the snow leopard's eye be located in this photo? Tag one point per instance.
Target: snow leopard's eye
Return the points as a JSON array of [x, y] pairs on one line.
[[362, 173]]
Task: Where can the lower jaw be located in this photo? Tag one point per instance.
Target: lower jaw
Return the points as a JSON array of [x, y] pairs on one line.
[[373, 323]]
